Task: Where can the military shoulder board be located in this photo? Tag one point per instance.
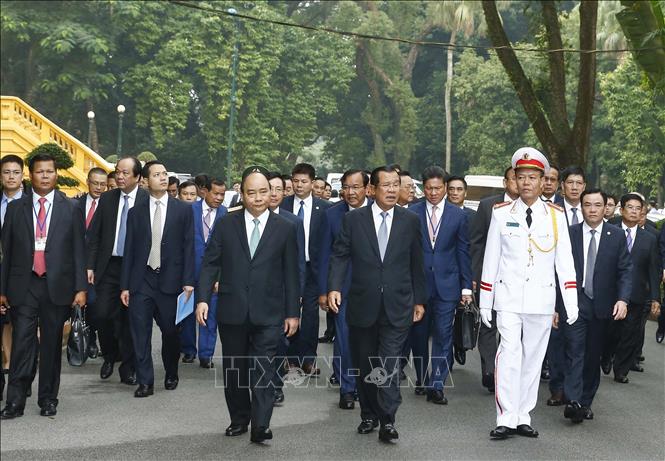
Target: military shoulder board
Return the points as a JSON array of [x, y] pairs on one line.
[[501, 204], [555, 206]]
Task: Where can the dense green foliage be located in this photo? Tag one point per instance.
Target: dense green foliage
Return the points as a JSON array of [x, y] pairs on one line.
[[336, 101]]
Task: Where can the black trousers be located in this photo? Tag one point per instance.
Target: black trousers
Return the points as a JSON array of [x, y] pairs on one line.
[[146, 304], [248, 352], [110, 318], [643, 324], [36, 310], [487, 345], [376, 352], [623, 341]]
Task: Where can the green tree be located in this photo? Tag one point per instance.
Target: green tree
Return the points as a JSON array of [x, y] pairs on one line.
[[62, 161]]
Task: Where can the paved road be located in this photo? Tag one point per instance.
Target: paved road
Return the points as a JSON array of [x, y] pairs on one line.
[[101, 420]]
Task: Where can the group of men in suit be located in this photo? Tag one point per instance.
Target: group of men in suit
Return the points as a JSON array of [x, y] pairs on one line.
[[264, 268]]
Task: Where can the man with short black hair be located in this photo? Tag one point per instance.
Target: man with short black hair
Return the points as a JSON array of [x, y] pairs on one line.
[[201, 180], [310, 209], [11, 168], [610, 208], [158, 266], [407, 190], [622, 345], [187, 192], [43, 276], [573, 183], [110, 181], [318, 187], [551, 185], [173, 186]]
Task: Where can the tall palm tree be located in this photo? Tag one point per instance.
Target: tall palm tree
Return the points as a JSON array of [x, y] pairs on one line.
[[461, 18]]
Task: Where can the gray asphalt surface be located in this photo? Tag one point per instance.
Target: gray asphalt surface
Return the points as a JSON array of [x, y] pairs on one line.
[[102, 420]]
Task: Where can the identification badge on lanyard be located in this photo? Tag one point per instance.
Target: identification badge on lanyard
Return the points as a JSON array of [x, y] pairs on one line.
[[40, 244]]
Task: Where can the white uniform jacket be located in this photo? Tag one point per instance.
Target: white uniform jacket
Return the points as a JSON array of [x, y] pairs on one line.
[[518, 280]]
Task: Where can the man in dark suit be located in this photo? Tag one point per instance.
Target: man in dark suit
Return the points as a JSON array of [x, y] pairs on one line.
[[97, 183], [445, 244], [43, 275], [456, 188], [310, 209], [106, 248], [622, 345], [277, 187], [386, 295], [551, 186], [480, 225], [604, 282], [253, 255], [354, 185], [158, 266], [205, 214]]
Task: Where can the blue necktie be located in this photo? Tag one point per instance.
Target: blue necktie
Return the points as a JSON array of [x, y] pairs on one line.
[[575, 218], [383, 235], [629, 240], [254, 238], [123, 226], [301, 211]]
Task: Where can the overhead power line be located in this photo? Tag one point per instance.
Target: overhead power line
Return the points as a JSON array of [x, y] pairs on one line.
[[344, 33]]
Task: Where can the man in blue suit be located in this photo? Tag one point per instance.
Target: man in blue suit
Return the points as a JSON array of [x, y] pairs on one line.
[[158, 266], [604, 283], [277, 189], [354, 185], [310, 210], [448, 268], [205, 214]]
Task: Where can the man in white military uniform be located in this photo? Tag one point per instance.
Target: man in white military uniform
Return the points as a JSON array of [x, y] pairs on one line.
[[527, 242]]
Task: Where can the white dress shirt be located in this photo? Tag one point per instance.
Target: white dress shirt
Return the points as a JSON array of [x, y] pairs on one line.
[[586, 240], [633, 232], [4, 202], [569, 212], [363, 204], [376, 214], [249, 224], [506, 197], [130, 203], [307, 218]]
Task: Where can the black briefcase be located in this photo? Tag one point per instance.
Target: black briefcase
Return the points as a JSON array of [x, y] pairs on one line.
[[466, 327], [79, 338]]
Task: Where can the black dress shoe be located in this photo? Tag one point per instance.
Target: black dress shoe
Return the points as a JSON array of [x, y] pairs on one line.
[[622, 379], [11, 411], [143, 391], [171, 383], [526, 431], [206, 363], [488, 381], [326, 339], [388, 433], [188, 358], [637, 367], [49, 409], [606, 366], [588, 414], [501, 432], [333, 380], [130, 379], [437, 397], [260, 435], [545, 371], [574, 412], [660, 335], [556, 399], [311, 369], [420, 390], [346, 402], [460, 356], [93, 351], [640, 358], [28, 393], [279, 397], [235, 429], [107, 370], [367, 425]]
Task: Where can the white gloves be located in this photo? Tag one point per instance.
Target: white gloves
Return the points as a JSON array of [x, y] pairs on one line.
[[572, 316], [486, 317]]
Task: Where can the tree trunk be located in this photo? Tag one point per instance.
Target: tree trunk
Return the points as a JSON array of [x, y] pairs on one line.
[[448, 91], [30, 75]]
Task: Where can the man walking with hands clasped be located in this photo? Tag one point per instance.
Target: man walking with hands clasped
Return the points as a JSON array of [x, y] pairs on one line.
[[527, 244]]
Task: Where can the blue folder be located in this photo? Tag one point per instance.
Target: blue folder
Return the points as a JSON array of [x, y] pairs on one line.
[[185, 307]]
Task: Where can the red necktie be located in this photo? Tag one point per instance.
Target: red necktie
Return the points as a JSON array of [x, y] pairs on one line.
[[39, 259], [91, 213]]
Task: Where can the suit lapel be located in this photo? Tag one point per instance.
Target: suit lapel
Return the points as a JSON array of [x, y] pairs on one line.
[[395, 231], [368, 225], [239, 223], [170, 209], [28, 215], [57, 213], [422, 214]]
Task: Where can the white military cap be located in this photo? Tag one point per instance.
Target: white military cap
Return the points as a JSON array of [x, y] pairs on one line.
[[528, 157]]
